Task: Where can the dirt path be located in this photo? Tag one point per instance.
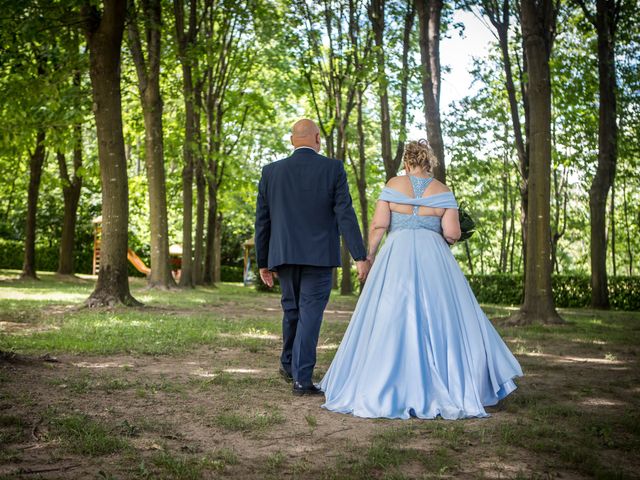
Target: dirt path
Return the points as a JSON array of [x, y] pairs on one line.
[[225, 411]]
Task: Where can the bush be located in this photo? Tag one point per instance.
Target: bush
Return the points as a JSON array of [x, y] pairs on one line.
[[12, 256], [569, 291], [231, 273]]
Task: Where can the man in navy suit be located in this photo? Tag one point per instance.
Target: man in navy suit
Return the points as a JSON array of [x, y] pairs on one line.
[[303, 206]]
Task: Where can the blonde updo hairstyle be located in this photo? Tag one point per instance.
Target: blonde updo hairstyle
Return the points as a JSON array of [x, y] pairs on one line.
[[418, 153]]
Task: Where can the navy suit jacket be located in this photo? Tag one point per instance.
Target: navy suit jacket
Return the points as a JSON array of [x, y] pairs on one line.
[[303, 206]]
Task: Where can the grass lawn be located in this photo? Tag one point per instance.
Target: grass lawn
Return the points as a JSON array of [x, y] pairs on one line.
[[187, 387]]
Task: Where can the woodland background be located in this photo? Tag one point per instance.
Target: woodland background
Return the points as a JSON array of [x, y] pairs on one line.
[[227, 79]]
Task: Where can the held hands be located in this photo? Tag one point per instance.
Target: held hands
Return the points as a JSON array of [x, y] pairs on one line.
[[267, 277], [363, 267]]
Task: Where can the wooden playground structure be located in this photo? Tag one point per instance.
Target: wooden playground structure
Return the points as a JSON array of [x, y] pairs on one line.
[[175, 251]]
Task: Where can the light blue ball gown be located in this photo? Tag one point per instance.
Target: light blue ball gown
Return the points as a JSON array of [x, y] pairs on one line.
[[418, 343]]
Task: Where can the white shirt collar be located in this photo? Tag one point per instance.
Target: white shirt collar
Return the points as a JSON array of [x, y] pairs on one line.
[[304, 146]]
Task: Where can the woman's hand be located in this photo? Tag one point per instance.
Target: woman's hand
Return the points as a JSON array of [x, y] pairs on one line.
[[371, 257]]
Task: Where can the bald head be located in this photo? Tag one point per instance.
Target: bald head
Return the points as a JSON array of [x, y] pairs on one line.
[[305, 133]]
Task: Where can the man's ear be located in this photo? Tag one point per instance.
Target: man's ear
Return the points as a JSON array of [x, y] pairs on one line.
[[291, 139]]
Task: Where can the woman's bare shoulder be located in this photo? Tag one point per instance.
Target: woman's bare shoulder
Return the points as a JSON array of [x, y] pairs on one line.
[[398, 181], [438, 187]]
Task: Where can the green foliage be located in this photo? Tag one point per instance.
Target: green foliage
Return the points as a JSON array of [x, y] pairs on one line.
[[569, 291], [231, 273], [12, 255]]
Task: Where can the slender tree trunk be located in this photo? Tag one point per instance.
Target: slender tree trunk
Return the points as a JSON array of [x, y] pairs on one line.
[[360, 171], [217, 249], [104, 32], [185, 40], [500, 16], [149, 88], [71, 187], [612, 222], [605, 23], [469, 260], [625, 210], [538, 23], [409, 19], [201, 192], [505, 203], [346, 285], [512, 227], [36, 160], [212, 215], [376, 15], [429, 16]]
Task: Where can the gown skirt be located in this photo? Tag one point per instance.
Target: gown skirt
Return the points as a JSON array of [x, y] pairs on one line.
[[418, 344]]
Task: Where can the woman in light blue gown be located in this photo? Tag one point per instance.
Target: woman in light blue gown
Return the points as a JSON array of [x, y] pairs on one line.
[[418, 343]]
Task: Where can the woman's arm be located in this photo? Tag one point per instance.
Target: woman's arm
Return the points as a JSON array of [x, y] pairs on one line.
[[379, 224], [451, 225]]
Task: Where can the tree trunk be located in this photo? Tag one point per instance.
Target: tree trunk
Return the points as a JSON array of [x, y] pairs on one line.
[[360, 172], [505, 202], [612, 222], [36, 160], [429, 16], [376, 15], [185, 40], [217, 250], [104, 35], [605, 24], [201, 192], [212, 214], [625, 211], [538, 21], [71, 187], [499, 16], [469, 261], [149, 89], [346, 285], [404, 84]]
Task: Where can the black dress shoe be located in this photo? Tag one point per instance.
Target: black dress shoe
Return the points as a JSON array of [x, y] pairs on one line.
[[286, 375], [299, 389]]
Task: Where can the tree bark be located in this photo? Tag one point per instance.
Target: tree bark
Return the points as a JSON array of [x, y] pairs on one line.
[[71, 187], [148, 71], [409, 19], [104, 32], [360, 172], [186, 39], [605, 22], [429, 19], [625, 211], [201, 192], [499, 15], [376, 15], [538, 23], [612, 223], [36, 160]]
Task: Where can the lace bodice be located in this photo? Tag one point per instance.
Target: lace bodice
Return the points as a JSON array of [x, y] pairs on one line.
[[413, 221]]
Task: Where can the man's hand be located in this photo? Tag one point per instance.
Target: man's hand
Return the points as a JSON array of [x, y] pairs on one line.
[[267, 277], [363, 267]]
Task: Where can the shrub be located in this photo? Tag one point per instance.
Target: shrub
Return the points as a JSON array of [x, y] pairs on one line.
[[231, 273], [569, 291], [12, 256]]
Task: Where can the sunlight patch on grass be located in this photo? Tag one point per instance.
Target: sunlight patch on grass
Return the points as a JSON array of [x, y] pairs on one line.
[[571, 359], [102, 365], [42, 296], [241, 370], [602, 402]]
